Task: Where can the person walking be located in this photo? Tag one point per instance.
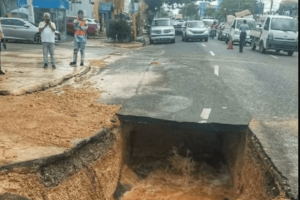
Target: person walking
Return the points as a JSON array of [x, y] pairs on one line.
[[80, 26], [47, 29], [2, 40], [243, 28]]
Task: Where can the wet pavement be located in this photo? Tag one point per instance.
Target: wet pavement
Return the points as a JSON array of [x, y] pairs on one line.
[[23, 65], [203, 82]]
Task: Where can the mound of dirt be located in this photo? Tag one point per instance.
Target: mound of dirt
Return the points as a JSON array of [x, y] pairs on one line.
[[45, 122]]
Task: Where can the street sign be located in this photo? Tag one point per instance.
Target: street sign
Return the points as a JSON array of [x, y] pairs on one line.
[[135, 8]]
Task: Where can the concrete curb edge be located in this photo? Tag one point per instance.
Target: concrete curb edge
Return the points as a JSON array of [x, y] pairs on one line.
[[45, 85]]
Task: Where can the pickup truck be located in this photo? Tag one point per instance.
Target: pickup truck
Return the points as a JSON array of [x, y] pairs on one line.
[[232, 30], [278, 33]]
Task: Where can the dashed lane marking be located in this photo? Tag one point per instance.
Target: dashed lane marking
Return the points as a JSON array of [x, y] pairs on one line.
[[216, 70], [274, 56], [212, 53], [203, 45], [205, 113]]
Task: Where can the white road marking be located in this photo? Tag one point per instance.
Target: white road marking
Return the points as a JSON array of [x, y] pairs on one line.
[[203, 45], [274, 57], [224, 107], [212, 53], [203, 121], [216, 70], [205, 113]]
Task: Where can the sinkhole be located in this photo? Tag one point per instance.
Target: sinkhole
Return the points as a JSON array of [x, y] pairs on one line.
[[145, 158]]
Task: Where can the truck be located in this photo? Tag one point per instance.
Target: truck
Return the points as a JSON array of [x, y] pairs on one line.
[[279, 33], [232, 30], [178, 17]]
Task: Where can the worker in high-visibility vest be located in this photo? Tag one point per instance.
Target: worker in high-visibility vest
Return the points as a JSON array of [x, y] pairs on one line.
[[2, 40], [80, 26]]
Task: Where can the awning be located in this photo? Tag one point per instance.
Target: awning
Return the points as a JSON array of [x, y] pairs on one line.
[[58, 4], [106, 7]]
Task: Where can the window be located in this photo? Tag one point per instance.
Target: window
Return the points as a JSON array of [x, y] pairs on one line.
[[267, 24], [250, 23], [164, 22], [6, 22], [196, 25], [18, 22], [71, 19], [284, 24]]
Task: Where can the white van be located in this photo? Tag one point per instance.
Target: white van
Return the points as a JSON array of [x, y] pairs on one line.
[[235, 29], [278, 33]]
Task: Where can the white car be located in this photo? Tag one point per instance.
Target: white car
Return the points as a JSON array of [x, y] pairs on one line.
[[94, 21], [162, 30]]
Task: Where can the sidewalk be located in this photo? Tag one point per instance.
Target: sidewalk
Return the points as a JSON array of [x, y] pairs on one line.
[[25, 72]]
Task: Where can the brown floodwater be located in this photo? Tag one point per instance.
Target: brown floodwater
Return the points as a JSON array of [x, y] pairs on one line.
[[179, 178]]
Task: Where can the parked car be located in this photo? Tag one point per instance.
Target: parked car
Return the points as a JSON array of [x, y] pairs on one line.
[[162, 30], [92, 27], [94, 21], [23, 30], [178, 26], [194, 30]]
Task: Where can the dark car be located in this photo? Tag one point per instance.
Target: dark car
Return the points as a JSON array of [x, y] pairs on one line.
[[92, 28]]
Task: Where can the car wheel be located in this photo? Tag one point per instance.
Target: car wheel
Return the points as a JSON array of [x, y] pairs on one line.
[[290, 53], [277, 51], [173, 41], [182, 38], [151, 41], [206, 40], [38, 38], [253, 45], [262, 48]]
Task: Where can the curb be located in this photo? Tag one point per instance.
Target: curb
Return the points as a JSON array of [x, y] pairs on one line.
[[45, 85]]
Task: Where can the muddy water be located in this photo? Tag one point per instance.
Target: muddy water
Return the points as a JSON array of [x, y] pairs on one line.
[[178, 178]]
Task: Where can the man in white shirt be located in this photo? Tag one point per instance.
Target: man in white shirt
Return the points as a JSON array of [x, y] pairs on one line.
[[47, 29]]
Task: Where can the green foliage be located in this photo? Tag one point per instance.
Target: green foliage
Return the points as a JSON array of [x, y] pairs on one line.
[[120, 28], [210, 12], [190, 11], [152, 4], [230, 7]]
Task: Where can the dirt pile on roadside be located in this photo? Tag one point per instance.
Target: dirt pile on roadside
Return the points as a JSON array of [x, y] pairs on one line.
[[49, 119]]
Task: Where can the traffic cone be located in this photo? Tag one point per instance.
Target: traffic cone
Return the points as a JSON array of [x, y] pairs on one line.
[[230, 46]]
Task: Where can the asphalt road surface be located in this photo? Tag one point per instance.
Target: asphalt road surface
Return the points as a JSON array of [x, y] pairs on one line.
[[204, 82]]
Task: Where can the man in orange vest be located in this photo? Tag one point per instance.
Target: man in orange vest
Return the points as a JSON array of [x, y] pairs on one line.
[[2, 40], [80, 26]]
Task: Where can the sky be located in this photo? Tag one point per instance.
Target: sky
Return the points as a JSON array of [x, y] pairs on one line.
[[266, 2]]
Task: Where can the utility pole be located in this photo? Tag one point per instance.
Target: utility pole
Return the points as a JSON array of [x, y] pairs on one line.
[[133, 20], [271, 7], [239, 5]]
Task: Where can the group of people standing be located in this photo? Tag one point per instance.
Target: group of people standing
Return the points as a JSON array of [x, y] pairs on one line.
[[47, 29]]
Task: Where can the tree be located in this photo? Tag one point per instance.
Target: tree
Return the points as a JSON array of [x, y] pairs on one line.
[[152, 4], [230, 7], [210, 12], [190, 10]]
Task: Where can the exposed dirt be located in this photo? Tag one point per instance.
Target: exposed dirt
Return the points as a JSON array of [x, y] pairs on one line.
[[179, 178], [46, 122], [97, 179]]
